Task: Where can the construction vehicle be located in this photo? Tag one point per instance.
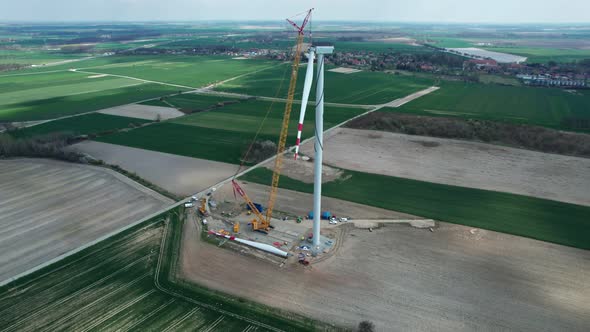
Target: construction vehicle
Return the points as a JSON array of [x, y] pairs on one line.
[[261, 223], [236, 227], [302, 260], [203, 207]]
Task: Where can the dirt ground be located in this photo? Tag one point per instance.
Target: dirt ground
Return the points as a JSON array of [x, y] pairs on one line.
[[48, 208], [498, 56], [303, 170], [406, 279], [180, 175], [287, 234], [343, 70], [461, 163], [299, 204], [143, 112]]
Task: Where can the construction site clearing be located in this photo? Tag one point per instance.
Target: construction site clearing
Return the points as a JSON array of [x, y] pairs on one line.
[[388, 268], [227, 222]]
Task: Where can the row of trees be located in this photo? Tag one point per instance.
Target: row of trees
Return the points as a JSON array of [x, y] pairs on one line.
[[46, 146], [11, 66], [522, 136], [259, 151]]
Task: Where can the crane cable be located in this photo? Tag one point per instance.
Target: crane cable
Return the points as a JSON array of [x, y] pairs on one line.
[[245, 157]]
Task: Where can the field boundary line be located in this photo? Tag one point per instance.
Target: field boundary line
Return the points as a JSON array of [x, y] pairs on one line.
[[87, 245], [66, 265], [132, 78], [212, 85], [266, 98], [35, 73], [97, 266]]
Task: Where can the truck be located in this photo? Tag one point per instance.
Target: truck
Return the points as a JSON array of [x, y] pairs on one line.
[[326, 215]]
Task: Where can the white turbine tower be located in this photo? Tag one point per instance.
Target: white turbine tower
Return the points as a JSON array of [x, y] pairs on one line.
[[320, 51]]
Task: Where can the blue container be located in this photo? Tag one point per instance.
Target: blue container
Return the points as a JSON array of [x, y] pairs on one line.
[[325, 215], [258, 207]]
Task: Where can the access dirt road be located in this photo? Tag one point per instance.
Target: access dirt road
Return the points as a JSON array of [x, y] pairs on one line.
[[460, 163], [407, 279], [180, 175], [48, 208], [402, 101]]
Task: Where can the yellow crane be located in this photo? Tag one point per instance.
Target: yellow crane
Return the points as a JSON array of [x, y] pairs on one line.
[[262, 222]]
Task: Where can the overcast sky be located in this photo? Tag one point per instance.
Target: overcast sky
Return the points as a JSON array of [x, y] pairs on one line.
[[497, 11]]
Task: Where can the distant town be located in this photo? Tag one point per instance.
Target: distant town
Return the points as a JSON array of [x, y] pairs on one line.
[[461, 63]]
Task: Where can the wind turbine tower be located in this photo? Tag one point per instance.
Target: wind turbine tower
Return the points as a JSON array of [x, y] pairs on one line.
[[319, 50]]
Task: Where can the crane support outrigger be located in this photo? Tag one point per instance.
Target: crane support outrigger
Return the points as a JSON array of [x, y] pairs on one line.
[[262, 222]]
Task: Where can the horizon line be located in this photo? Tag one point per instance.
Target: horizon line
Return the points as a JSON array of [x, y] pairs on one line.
[[276, 21]]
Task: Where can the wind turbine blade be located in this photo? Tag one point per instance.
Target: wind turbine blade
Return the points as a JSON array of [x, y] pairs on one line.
[[305, 98]]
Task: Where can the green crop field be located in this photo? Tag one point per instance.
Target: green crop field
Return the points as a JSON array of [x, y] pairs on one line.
[[86, 124], [378, 47], [35, 57], [240, 41], [38, 94], [86, 62], [49, 95], [523, 105], [190, 141], [224, 134], [247, 115], [129, 282], [448, 42], [190, 102], [192, 71], [358, 88], [545, 220]]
